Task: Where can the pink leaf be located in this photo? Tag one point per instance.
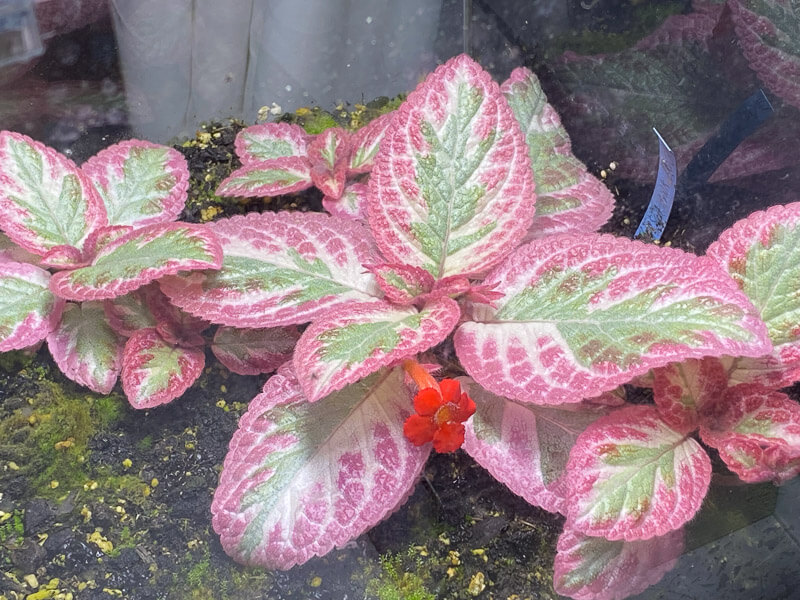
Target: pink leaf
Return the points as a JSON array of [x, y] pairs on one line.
[[328, 154], [451, 190], [269, 141], [279, 269], [757, 435], [585, 313], [365, 144], [28, 310], [64, 257], [9, 251], [269, 178], [401, 284], [351, 341], [631, 477], [139, 257], [155, 372], [592, 568], [351, 205], [254, 351], [303, 478], [684, 391], [524, 446], [129, 313]]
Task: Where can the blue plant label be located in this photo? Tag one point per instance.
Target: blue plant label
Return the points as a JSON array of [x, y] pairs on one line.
[[655, 217]]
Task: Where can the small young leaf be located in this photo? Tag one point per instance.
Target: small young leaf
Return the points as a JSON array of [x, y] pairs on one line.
[[594, 568], [328, 154], [64, 257], [631, 477], [141, 183], [269, 141], [269, 178], [584, 313], [155, 372], [279, 269], [28, 309], [351, 205], [129, 313], [401, 284], [365, 144], [525, 446], [757, 435], [139, 257], [85, 347], [45, 199], [451, 190], [684, 391], [301, 478], [254, 351], [351, 341]]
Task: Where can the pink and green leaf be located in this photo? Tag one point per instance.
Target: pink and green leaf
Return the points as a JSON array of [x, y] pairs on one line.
[[45, 199], [757, 435], [269, 178], [129, 313], [139, 257], [451, 190], [594, 568], [64, 257], [328, 154], [301, 478], [28, 309], [584, 313], [685, 391], [85, 347], [632, 477], [254, 351], [401, 284], [351, 205], [141, 183], [155, 372], [269, 141], [280, 269], [366, 143], [524, 446], [569, 199], [9, 251], [349, 342]]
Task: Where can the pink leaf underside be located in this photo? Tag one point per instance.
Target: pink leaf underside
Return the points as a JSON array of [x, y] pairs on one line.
[[269, 141], [351, 205], [141, 183], [328, 154], [45, 199], [85, 347], [524, 446], [155, 372], [762, 254], [770, 47], [64, 257], [569, 199], [777, 370], [9, 251], [139, 257], [592, 568], [452, 190], [585, 313], [272, 177], [28, 309], [254, 351], [631, 477], [129, 313], [366, 143], [684, 391], [758, 434], [280, 269], [401, 284], [351, 341], [303, 478]]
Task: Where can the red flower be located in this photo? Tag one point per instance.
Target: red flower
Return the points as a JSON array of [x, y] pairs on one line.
[[441, 411]]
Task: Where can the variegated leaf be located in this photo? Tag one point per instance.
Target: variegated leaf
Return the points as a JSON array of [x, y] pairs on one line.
[[631, 477], [687, 390], [139, 257], [762, 254], [28, 309], [524, 446], [584, 313], [254, 351], [776, 370], [569, 199], [45, 199], [351, 341], [594, 568], [269, 178], [141, 183], [301, 478], [9, 251], [269, 141], [401, 284], [757, 435], [280, 269], [64, 257], [129, 313], [351, 205], [365, 144], [85, 347], [328, 154], [451, 190], [155, 372]]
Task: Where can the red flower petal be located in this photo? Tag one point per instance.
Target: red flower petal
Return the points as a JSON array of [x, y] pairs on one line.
[[464, 410], [451, 390], [427, 402], [448, 437], [420, 430]]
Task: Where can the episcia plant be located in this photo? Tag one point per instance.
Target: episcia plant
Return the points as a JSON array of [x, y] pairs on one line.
[[548, 318], [79, 241]]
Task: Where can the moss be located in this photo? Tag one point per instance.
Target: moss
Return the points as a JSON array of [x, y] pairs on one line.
[[396, 583], [12, 529]]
